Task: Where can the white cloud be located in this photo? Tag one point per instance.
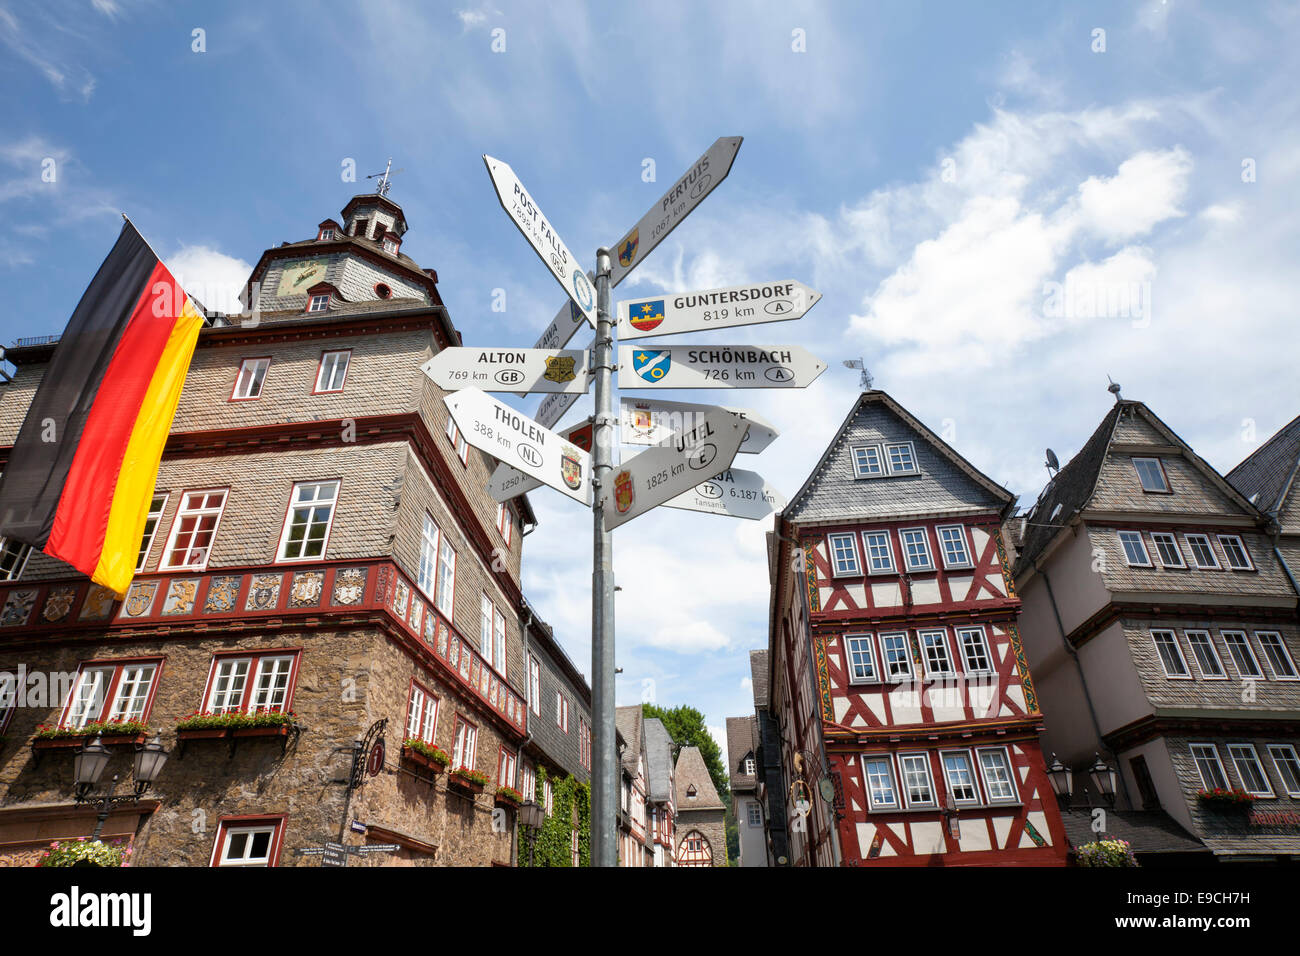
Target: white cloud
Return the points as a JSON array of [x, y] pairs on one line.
[[60, 67], [210, 276], [1145, 191]]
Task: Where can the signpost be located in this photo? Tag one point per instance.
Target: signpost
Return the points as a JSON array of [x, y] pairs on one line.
[[542, 237], [507, 482], [336, 854], [718, 366], [519, 441], [652, 421], [751, 304], [666, 471], [734, 492], [510, 370]]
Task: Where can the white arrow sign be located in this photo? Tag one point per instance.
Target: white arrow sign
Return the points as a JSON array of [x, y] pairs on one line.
[[510, 370], [715, 308], [507, 482], [664, 472], [717, 366], [542, 237], [651, 421], [734, 492], [674, 206], [519, 441]]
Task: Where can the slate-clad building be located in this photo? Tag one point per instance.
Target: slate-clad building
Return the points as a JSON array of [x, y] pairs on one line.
[[701, 830], [320, 547], [659, 790], [1160, 620], [768, 784], [742, 756], [908, 717]]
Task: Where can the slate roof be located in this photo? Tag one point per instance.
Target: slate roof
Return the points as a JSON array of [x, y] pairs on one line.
[[946, 483], [742, 740], [1270, 470], [758, 668], [659, 760], [1147, 831], [692, 771], [628, 722]]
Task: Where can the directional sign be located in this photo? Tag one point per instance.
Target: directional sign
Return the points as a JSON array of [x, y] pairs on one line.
[[507, 482], [519, 441], [566, 322], [664, 472], [651, 421], [553, 407], [543, 238], [510, 370], [734, 492], [714, 308], [717, 366], [674, 206]]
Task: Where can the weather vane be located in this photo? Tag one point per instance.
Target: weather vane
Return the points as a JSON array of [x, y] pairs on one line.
[[385, 178], [865, 381]]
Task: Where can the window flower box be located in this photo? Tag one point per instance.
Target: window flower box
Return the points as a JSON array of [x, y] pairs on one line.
[[470, 781], [425, 755], [1225, 800], [206, 725], [114, 733], [202, 733], [1105, 853], [83, 852], [509, 797]]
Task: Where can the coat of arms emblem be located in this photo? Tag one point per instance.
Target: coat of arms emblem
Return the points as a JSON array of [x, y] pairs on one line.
[[559, 368], [571, 466], [646, 316], [627, 248], [624, 492]]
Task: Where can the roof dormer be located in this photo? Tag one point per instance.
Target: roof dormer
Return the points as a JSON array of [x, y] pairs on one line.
[[321, 296], [327, 230]]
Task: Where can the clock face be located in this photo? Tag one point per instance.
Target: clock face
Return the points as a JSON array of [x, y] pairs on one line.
[[298, 277]]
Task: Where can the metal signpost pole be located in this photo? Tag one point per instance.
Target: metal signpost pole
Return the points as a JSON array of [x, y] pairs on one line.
[[604, 763]]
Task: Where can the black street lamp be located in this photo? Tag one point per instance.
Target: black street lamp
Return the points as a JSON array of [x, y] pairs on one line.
[[531, 815], [89, 764], [1104, 779], [1062, 779]]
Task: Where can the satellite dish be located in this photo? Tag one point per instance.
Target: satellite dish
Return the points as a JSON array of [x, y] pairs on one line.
[[1053, 465]]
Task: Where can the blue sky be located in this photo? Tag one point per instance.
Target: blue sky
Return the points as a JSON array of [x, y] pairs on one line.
[[962, 182]]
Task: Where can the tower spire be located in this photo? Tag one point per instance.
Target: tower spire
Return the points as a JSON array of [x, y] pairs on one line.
[[385, 178]]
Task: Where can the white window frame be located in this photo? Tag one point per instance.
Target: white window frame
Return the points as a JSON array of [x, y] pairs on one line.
[[858, 470], [499, 641], [1229, 633], [889, 552], [1218, 763], [320, 370], [445, 599], [146, 540], [327, 233], [1170, 539], [833, 554], [390, 246], [1285, 651], [1182, 658], [22, 555], [421, 714], [310, 506], [1209, 548], [466, 741], [98, 677], [223, 849], [561, 711], [505, 521], [426, 576], [1243, 752], [458, 441], [753, 814], [911, 454], [957, 533], [243, 390], [1007, 765], [535, 684], [942, 632], [1141, 539], [984, 647], [906, 550], [164, 560], [1227, 552], [320, 302], [904, 759], [1192, 635], [1164, 488], [888, 763], [884, 656], [966, 755], [1288, 776], [254, 691], [867, 644], [506, 760]]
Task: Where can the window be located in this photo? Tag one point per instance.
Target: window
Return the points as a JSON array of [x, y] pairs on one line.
[[916, 550], [243, 842], [1235, 551], [528, 781], [996, 769], [575, 852], [844, 555], [960, 775], [1203, 555], [1287, 765], [1167, 547], [1146, 786], [486, 611], [754, 816], [1207, 658], [880, 782], [426, 575], [880, 556], [421, 714], [1209, 767], [1135, 549], [1151, 473], [952, 542], [13, 559], [535, 685], [867, 462], [361, 227], [862, 662], [446, 576], [307, 526], [326, 233], [584, 743], [156, 507], [893, 648], [1243, 657], [506, 768], [499, 641], [110, 691], [333, 371], [505, 521], [1277, 655], [561, 712], [548, 796], [319, 303], [390, 246], [466, 744], [458, 441], [749, 766], [272, 682], [934, 647], [1171, 655], [1250, 770], [193, 529], [249, 381], [974, 650], [902, 458], [915, 774]]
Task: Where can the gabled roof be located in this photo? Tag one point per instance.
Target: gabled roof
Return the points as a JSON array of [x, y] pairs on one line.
[[659, 760], [1147, 831], [692, 772], [628, 722], [947, 482], [758, 668], [741, 735], [1270, 470]]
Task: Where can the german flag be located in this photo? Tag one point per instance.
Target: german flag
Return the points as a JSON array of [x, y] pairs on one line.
[[81, 473]]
